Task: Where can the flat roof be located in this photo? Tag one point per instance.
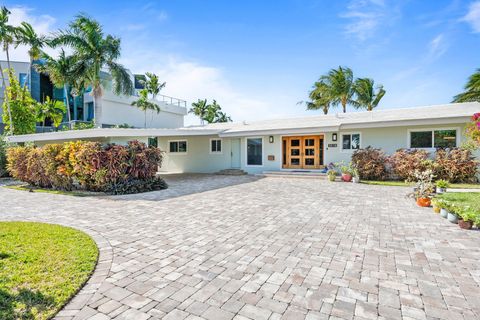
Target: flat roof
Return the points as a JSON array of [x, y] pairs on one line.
[[437, 114]]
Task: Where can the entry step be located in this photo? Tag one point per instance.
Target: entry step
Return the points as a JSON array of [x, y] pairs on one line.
[[232, 172], [294, 173]]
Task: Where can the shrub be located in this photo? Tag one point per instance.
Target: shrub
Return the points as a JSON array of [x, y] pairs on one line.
[[455, 165], [88, 166], [405, 162], [370, 163], [3, 157]]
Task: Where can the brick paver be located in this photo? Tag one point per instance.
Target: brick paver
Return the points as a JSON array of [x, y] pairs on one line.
[[216, 247]]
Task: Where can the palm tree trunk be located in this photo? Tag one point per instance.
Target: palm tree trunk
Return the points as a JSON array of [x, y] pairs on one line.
[[8, 58], [97, 107], [75, 113], [5, 99], [344, 106], [145, 120], [69, 116], [325, 109]]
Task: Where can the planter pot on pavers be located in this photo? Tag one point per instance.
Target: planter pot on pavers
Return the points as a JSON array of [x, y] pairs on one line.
[[331, 178], [443, 212], [436, 209], [465, 224], [424, 202], [346, 177], [440, 190], [452, 218], [356, 180]]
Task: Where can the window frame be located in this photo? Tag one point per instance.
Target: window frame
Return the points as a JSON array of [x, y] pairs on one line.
[[432, 148], [178, 152], [210, 146], [350, 134], [246, 152]]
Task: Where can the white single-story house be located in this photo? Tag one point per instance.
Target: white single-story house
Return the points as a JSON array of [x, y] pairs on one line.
[[304, 143]]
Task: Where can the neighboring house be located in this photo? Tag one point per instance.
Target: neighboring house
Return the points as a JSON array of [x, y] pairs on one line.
[[117, 110], [306, 143]]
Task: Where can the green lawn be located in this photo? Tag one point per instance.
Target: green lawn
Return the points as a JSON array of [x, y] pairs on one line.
[[471, 199], [41, 267], [406, 184], [25, 187]]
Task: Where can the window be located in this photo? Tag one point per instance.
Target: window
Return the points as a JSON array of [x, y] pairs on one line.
[[23, 79], [178, 146], [153, 142], [351, 141], [215, 145], [254, 151], [433, 139]]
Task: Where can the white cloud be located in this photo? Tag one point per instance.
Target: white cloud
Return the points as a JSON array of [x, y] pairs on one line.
[[473, 16], [365, 17], [42, 24], [437, 46]]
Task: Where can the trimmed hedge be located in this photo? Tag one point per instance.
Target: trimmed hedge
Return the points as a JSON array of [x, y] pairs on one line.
[[90, 166]]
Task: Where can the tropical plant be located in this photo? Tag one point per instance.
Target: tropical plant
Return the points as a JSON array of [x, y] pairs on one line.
[[405, 162], [331, 173], [366, 95], [370, 163], [51, 109], [456, 165], [222, 117], [144, 104], [3, 156], [200, 109], [320, 97], [424, 186], [26, 35], [95, 51], [472, 89], [23, 107], [61, 72], [7, 37], [442, 184], [472, 132], [340, 82], [152, 84]]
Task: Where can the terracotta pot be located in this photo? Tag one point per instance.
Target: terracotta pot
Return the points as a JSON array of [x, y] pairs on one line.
[[346, 177], [423, 202], [436, 209], [465, 224]]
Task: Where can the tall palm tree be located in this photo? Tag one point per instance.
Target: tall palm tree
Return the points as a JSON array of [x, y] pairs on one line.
[[51, 109], [61, 73], [200, 109], [320, 97], [144, 104], [472, 89], [26, 35], [341, 83], [7, 37], [95, 51], [152, 84], [367, 96], [222, 117]]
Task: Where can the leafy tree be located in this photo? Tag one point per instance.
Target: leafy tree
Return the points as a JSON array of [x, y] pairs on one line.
[[222, 117], [200, 109], [61, 72], [7, 37], [340, 82], [26, 35], [51, 109], [152, 84], [95, 51], [144, 104], [472, 89], [23, 107], [320, 97], [366, 95]]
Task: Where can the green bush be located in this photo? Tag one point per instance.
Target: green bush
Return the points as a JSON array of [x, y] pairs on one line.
[[88, 166], [3, 157]]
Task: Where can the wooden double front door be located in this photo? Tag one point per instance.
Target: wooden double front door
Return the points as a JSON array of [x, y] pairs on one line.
[[303, 152]]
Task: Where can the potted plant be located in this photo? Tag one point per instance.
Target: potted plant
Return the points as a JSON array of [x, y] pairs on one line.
[[442, 186], [355, 174], [467, 218], [423, 188], [436, 205], [453, 211], [346, 170], [443, 208], [331, 174]]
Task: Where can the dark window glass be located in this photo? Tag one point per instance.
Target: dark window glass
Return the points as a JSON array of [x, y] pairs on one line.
[[310, 162], [309, 142], [182, 146], [309, 152], [295, 152], [355, 141], [295, 162], [445, 138], [153, 142], [347, 141], [421, 139], [174, 146], [216, 146], [295, 143], [254, 152]]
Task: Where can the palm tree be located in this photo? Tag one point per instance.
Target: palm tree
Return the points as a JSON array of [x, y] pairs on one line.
[[26, 35], [341, 83], [7, 37], [367, 96], [152, 84], [61, 73], [200, 109], [144, 104], [51, 109], [320, 97], [94, 51], [222, 117], [472, 89]]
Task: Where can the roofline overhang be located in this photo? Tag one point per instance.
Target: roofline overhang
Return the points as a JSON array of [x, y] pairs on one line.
[[400, 123], [278, 131]]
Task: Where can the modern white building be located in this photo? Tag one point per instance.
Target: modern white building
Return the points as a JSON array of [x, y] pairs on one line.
[[116, 110], [305, 143]]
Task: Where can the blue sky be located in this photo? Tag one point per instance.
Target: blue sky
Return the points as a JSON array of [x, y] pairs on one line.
[[259, 58]]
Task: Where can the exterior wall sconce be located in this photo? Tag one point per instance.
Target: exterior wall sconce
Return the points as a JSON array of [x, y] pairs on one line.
[[270, 139], [334, 137]]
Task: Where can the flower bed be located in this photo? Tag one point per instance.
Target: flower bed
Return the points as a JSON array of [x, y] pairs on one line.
[[90, 166]]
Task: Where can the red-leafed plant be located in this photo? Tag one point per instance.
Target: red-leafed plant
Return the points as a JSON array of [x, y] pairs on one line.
[[370, 163], [405, 162]]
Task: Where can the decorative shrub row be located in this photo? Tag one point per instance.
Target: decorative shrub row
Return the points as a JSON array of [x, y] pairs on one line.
[[90, 166], [454, 165]]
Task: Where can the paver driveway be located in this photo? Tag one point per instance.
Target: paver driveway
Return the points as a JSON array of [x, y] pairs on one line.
[[214, 247]]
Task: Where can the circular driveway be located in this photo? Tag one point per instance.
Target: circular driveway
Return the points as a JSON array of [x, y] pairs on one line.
[[220, 247]]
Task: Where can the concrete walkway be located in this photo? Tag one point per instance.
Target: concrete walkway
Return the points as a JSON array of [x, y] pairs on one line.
[[216, 247]]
